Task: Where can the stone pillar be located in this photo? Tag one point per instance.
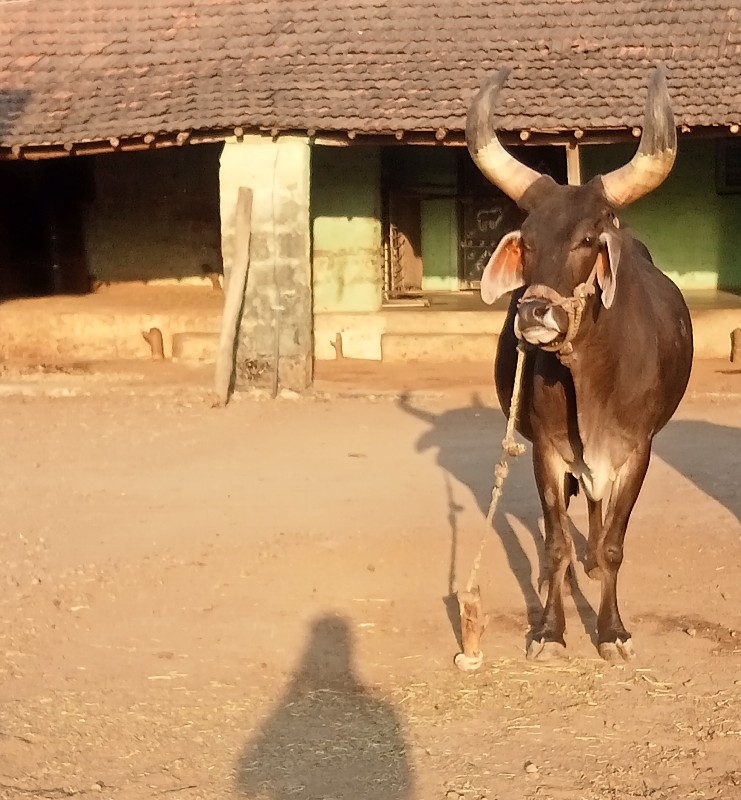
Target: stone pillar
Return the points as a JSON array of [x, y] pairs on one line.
[[277, 316]]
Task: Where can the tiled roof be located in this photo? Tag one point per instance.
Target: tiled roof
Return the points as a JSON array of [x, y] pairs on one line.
[[78, 70]]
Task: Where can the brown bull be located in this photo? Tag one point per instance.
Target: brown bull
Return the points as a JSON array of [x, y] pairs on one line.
[[594, 394]]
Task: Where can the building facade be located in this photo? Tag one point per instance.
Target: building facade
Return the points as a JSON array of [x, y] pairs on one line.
[[126, 133]]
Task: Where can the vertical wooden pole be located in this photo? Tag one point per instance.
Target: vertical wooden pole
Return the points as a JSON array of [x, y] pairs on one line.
[[234, 290], [736, 346], [573, 165]]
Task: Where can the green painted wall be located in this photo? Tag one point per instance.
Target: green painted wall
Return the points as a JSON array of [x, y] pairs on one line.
[[346, 228], [440, 244], [693, 232]]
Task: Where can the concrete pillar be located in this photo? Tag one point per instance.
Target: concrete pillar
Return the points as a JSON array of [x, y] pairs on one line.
[[276, 325]]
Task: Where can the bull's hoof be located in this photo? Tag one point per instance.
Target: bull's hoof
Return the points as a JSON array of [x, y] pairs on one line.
[[592, 569], [466, 663], [617, 652], [546, 651]]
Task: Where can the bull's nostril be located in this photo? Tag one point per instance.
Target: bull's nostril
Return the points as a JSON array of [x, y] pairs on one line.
[[539, 312]]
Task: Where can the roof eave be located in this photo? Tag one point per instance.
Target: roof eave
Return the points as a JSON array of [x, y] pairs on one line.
[[329, 137]]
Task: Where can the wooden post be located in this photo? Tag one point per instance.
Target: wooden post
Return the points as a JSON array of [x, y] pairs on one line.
[[337, 344], [736, 346], [234, 297], [473, 625], [573, 165], [153, 337]]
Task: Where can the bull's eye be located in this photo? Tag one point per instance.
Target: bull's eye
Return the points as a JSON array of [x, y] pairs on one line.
[[587, 241]]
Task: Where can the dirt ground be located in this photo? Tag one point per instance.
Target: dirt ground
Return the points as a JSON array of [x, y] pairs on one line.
[[252, 602]]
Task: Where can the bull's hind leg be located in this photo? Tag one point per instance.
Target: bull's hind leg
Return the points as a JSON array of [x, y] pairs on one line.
[[614, 640], [547, 638]]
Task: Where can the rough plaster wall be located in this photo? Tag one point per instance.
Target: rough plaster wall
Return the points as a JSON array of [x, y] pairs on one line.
[[280, 264], [346, 218], [155, 215], [693, 233]]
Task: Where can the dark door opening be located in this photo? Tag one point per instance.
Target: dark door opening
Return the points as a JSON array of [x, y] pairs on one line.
[[42, 241], [487, 214]]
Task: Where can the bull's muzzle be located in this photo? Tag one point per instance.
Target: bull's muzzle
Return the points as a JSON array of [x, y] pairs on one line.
[[538, 320]]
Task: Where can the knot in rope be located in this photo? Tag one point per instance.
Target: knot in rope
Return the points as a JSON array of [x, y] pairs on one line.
[[500, 474], [513, 448]]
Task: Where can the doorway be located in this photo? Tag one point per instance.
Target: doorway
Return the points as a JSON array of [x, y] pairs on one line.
[[443, 219], [42, 241]]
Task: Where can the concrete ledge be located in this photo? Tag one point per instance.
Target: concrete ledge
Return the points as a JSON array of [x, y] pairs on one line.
[[712, 331], [458, 347], [362, 332], [426, 335], [108, 325], [195, 348], [105, 325]]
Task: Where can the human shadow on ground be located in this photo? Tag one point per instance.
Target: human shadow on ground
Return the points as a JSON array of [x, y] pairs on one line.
[[468, 444], [329, 736]]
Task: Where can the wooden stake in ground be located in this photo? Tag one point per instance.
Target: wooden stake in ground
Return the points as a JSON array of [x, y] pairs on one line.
[[234, 297], [337, 344], [473, 625], [736, 346], [153, 337]]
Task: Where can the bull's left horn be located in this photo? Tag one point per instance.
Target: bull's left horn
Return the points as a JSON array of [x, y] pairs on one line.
[[501, 168], [656, 152]]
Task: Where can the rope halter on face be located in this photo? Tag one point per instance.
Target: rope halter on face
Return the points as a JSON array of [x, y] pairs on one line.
[[573, 306]]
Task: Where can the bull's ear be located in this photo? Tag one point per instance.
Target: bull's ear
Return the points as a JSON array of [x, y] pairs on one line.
[[504, 270], [608, 259]]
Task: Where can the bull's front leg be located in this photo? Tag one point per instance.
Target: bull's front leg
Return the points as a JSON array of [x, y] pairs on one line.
[[595, 535], [547, 638], [614, 640]]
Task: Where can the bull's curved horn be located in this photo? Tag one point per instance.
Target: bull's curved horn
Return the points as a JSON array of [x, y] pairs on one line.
[[501, 168], [656, 152]]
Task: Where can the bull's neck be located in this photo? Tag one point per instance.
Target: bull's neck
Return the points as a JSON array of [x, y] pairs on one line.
[[602, 329], [594, 347]]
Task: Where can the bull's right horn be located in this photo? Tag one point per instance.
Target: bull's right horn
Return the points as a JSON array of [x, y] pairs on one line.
[[655, 156], [501, 168]]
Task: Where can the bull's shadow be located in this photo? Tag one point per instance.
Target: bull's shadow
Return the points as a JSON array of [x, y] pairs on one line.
[[468, 443], [707, 454], [329, 736]]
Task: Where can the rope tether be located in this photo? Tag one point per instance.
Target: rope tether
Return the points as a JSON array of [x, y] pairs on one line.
[[473, 620]]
